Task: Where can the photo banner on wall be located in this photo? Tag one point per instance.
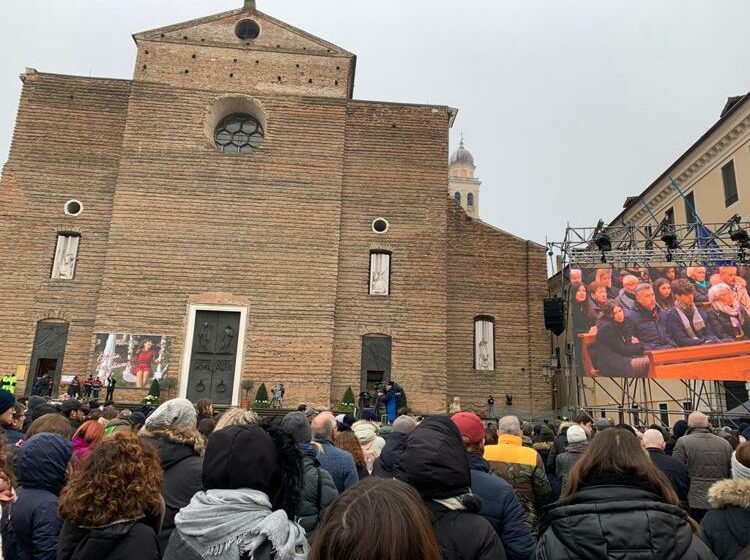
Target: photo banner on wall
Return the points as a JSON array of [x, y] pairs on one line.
[[133, 360], [661, 322]]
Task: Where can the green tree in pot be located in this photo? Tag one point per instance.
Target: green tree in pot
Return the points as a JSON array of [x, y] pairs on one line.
[[153, 394], [247, 386], [347, 403], [261, 397]]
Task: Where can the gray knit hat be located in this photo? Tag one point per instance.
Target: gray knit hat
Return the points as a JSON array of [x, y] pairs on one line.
[[404, 424], [176, 413], [296, 425]]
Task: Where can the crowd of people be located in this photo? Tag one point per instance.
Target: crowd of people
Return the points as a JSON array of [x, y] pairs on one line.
[[89, 484], [641, 309]]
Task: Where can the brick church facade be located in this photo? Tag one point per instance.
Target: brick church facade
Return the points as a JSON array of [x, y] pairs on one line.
[[234, 200]]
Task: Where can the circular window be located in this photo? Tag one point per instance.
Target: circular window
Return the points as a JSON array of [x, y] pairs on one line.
[[247, 29], [380, 225], [238, 133], [73, 208]]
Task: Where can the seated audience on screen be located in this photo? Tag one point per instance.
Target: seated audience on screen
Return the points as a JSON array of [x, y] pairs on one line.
[[604, 276], [617, 352], [727, 319], [576, 275], [669, 273], [728, 276], [687, 323], [584, 317], [647, 320], [598, 295], [626, 297], [663, 292], [697, 277]]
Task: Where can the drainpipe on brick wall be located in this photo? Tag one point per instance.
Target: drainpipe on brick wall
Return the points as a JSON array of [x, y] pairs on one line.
[[528, 331]]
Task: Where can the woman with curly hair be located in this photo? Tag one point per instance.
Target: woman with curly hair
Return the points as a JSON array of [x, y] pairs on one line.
[[349, 442], [85, 439], [252, 479], [236, 417], [111, 507]]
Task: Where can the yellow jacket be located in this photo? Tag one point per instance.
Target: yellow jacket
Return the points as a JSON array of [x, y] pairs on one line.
[[510, 449]]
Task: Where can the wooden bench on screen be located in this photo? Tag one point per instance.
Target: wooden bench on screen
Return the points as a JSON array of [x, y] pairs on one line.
[[587, 341], [725, 361]]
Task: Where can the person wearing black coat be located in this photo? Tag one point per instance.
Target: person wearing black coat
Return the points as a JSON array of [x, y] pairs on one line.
[[729, 322], [687, 323], [558, 446], [618, 505], [725, 525], [390, 455], [34, 525], [676, 472], [616, 353], [434, 463]]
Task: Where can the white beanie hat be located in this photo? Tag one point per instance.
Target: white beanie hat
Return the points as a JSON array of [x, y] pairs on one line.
[[576, 434], [177, 413]]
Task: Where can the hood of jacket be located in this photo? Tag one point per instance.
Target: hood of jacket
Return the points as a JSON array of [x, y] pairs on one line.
[[730, 492], [394, 447], [98, 542], [434, 460], [478, 463], [42, 461], [174, 445]]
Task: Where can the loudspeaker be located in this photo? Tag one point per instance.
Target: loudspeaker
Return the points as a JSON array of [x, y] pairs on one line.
[[554, 315]]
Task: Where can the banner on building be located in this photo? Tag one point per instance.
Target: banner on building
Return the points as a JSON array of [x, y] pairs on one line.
[[131, 359], [669, 322]]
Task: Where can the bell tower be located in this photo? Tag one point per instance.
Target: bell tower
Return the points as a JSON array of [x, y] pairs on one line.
[[463, 186]]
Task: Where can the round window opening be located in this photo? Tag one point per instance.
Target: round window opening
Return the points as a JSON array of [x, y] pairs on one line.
[[73, 208], [380, 225], [247, 29], [238, 133]]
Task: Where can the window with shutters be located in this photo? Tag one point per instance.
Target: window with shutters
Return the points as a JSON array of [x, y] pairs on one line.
[[66, 255], [690, 209], [664, 414], [380, 273], [730, 184], [484, 343]]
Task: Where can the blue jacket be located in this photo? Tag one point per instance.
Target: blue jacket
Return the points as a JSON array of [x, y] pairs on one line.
[[649, 328], [392, 400], [339, 464], [41, 464], [501, 508], [678, 333]]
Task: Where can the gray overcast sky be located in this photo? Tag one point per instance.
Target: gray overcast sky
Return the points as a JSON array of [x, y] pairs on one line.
[[568, 105]]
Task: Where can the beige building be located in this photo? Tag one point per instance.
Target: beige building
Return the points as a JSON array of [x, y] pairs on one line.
[[463, 186], [714, 176]]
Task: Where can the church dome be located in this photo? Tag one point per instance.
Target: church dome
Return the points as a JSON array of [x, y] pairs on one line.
[[462, 156]]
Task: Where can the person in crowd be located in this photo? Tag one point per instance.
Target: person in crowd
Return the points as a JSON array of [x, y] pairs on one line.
[[647, 321], [546, 440], [86, 438], [109, 412], [344, 422], [318, 489], [386, 509], [205, 409], [13, 431], [674, 470], [434, 462], [236, 417], [34, 524], [558, 446], [617, 352], [111, 383], [599, 296], [372, 444], [34, 401], [727, 320], [663, 292], [72, 409], [500, 506], [348, 442], [582, 309], [455, 405], [567, 459], [52, 423], [668, 273], [617, 504], [74, 388], [87, 386], [728, 276], [707, 458], [172, 429], [252, 480], [678, 430], [626, 296], [604, 276], [725, 525], [206, 426], [686, 323], [696, 275], [392, 400], [111, 506], [394, 446], [575, 275], [337, 462], [732, 436], [7, 409], [521, 467]]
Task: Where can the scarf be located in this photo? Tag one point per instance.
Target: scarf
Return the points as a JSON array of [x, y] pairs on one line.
[[733, 312], [697, 321], [739, 470], [224, 524]]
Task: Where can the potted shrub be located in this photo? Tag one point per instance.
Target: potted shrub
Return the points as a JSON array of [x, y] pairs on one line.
[[247, 386], [347, 403], [261, 397]]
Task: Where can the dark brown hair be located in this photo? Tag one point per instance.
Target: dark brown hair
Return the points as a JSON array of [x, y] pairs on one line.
[[376, 519], [618, 455], [681, 287], [349, 442], [202, 407], [122, 475], [52, 423]]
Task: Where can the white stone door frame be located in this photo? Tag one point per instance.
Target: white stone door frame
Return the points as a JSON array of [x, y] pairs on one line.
[[193, 308]]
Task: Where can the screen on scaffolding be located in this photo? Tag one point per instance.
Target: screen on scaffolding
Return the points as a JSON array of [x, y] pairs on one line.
[[667, 322]]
